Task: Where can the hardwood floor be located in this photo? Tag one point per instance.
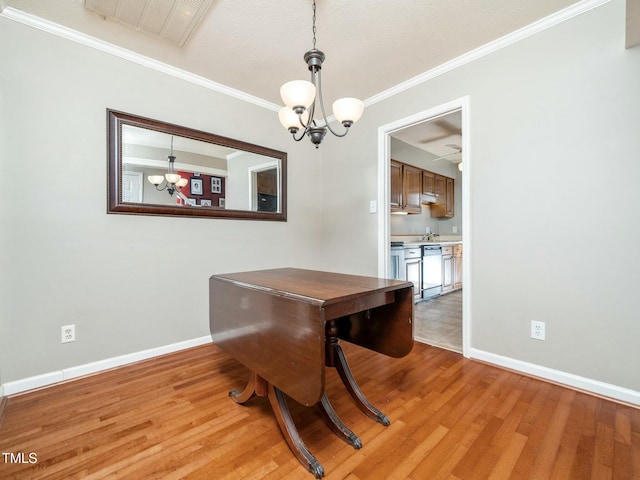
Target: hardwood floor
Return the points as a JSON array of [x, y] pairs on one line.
[[453, 418]]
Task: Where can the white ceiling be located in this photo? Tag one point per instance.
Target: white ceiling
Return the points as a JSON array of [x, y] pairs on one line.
[[256, 46], [441, 137]]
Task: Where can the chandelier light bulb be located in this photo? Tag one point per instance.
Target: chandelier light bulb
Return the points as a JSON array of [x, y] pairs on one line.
[[182, 183], [155, 179], [348, 110], [298, 94], [172, 178], [290, 119]]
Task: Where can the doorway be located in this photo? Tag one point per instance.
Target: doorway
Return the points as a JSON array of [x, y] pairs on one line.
[[395, 130]]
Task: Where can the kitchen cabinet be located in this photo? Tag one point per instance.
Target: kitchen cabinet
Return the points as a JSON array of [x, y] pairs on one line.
[[406, 188], [428, 183], [440, 185], [396, 185], [396, 264], [457, 267], [446, 206], [410, 186], [267, 182], [413, 269], [447, 269]]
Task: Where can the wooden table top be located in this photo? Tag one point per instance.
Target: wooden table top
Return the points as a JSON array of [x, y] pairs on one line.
[[314, 286]]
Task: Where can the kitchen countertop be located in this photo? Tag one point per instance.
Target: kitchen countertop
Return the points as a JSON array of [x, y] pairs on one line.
[[417, 243]]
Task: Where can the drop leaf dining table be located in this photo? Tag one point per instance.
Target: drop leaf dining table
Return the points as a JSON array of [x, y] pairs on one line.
[[285, 326]]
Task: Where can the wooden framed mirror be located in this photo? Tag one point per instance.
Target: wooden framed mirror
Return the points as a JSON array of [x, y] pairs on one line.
[[157, 168]]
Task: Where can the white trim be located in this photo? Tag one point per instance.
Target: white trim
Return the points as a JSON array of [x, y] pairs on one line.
[[509, 39], [502, 42], [163, 164], [50, 378], [65, 32], [384, 197], [557, 376]]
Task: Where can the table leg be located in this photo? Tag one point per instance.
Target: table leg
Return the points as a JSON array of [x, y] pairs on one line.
[[336, 424], [256, 386], [260, 387], [291, 435], [335, 358]]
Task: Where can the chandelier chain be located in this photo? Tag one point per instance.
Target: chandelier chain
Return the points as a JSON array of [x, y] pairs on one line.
[[314, 24]]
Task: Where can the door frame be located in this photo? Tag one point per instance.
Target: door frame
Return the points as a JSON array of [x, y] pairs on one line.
[[384, 199]]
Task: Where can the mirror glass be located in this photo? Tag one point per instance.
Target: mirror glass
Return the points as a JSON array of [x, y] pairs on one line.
[[157, 168]]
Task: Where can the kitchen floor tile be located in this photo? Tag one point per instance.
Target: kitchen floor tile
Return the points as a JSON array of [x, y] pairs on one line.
[[438, 322]]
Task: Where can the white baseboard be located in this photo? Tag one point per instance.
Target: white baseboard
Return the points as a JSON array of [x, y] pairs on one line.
[[622, 394], [50, 378], [582, 383]]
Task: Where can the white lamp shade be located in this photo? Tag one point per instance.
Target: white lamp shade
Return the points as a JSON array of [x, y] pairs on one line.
[[182, 182], [172, 177], [155, 179], [348, 109], [289, 118], [298, 93]]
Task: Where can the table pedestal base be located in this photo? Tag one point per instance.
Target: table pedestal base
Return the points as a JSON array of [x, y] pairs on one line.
[[335, 357], [258, 386]]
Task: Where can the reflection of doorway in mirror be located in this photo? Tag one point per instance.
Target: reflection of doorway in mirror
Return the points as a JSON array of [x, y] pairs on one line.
[[132, 187], [265, 186]]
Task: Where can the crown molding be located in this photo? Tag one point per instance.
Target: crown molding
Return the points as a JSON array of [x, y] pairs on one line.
[[509, 39], [83, 39]]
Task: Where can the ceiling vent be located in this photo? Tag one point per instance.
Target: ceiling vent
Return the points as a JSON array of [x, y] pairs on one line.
[[172, 20]]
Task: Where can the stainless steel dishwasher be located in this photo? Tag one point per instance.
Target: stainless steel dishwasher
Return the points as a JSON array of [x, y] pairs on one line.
[[431, 271]]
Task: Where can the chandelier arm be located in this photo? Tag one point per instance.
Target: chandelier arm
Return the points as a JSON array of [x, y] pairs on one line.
[[301, 135], [324, 115]]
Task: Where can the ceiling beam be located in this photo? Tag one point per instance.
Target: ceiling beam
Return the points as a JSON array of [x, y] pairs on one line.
[[633, 23]]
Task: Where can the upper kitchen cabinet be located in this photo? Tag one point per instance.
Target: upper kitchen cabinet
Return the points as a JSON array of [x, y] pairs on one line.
[[406, 188], [445, 208], [428, 183], [396, 186], [412, 188], [440, 189]]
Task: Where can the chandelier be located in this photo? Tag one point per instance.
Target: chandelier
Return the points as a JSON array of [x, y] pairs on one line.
[[300, 96], [174, 182]]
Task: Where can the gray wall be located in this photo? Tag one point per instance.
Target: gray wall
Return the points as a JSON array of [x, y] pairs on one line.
[[128, 283], [554, 195]]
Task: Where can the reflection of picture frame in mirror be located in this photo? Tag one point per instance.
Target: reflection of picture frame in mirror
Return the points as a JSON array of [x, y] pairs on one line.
[[216, 185], [196, 186], [205, 203], [221, 202]]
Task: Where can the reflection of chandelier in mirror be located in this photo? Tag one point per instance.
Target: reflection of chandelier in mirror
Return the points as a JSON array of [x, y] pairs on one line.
[[174, 181], [299, 97]]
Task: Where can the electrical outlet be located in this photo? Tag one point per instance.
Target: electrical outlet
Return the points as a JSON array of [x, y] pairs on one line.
[[537, 330], [373, 206], [68, 333]]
